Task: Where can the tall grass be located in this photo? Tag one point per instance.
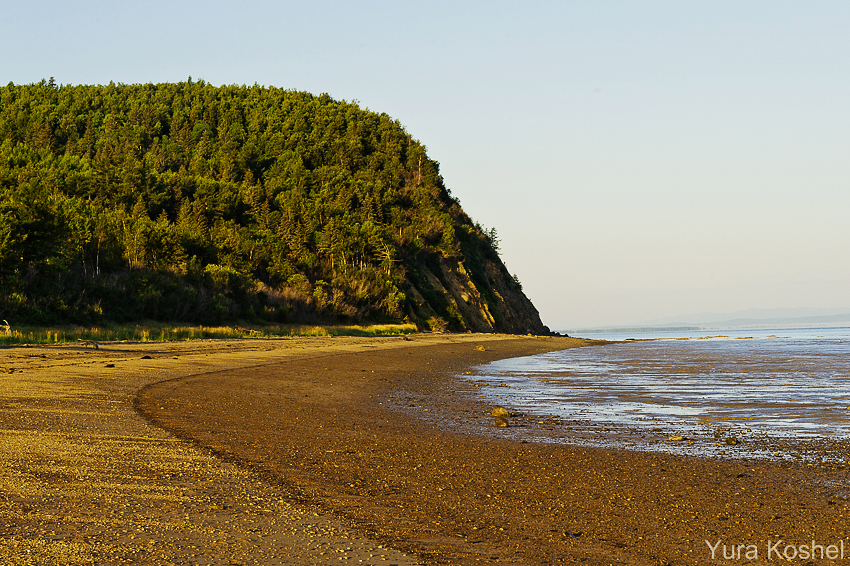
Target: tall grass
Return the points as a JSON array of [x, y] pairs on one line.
[[164, 332]]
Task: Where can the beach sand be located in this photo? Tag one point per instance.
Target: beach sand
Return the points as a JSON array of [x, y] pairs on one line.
[[312, 450]]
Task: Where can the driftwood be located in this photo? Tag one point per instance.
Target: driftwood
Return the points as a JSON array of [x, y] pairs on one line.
[[88, 342]]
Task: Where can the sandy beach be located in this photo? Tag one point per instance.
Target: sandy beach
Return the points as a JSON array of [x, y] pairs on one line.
[[312, 450]]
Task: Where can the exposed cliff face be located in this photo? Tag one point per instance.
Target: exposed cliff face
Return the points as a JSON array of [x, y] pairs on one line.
[[471, 293]]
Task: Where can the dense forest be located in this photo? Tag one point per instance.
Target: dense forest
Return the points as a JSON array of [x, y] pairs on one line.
[[189, 202]]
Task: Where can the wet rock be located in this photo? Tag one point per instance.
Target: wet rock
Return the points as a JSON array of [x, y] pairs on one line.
[[481, 348], [731, 440], [500, 412], [677, 438]]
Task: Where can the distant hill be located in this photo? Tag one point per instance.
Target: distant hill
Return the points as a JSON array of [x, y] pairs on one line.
[[750, 318], [799, 315], [189, 202]]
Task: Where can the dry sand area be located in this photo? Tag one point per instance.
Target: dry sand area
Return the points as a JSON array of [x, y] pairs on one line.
[[84, 479], [310, 451]]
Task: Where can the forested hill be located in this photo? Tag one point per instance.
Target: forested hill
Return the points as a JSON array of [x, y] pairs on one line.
[[188, 202]]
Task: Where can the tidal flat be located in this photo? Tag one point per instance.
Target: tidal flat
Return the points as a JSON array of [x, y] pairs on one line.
[[768, 394]]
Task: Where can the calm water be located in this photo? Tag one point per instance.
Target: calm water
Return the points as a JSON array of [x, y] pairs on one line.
[[763, 384]]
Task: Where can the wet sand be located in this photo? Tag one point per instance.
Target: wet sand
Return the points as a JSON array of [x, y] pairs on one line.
[[330, 432], [304, 449], [739, 398]]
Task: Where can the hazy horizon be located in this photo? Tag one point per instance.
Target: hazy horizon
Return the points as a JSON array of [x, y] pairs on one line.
[[743, 317], [637, 160]]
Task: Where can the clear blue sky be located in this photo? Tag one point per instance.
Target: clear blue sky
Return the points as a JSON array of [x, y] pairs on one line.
[[638, 159]]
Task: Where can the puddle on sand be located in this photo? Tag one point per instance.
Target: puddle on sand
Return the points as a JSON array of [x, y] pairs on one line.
[[772, 397]]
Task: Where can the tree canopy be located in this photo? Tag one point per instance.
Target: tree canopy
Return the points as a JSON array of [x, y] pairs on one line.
[[192, 202]]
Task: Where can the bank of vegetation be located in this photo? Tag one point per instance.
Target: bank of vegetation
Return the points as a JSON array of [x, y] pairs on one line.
[[208, 205], [159, 332]]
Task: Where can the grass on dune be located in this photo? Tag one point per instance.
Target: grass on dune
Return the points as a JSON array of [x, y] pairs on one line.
[[166, 332]]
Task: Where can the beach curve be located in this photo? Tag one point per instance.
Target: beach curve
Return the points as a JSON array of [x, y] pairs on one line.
[[406, 485], [331, 431]]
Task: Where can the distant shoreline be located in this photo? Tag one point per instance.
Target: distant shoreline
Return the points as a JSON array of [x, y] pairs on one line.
[[699, 328]]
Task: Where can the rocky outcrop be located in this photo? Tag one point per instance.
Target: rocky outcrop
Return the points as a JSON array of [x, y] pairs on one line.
[[471, 294]]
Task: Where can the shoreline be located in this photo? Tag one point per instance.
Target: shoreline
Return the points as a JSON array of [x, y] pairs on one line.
[[83, 478], [551, 428], [308, 432], [451, 497], [597, 426]]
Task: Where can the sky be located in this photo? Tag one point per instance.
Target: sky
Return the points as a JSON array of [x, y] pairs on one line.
[[638, 159]]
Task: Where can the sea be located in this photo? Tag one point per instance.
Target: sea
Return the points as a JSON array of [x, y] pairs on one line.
[[777, 393]]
